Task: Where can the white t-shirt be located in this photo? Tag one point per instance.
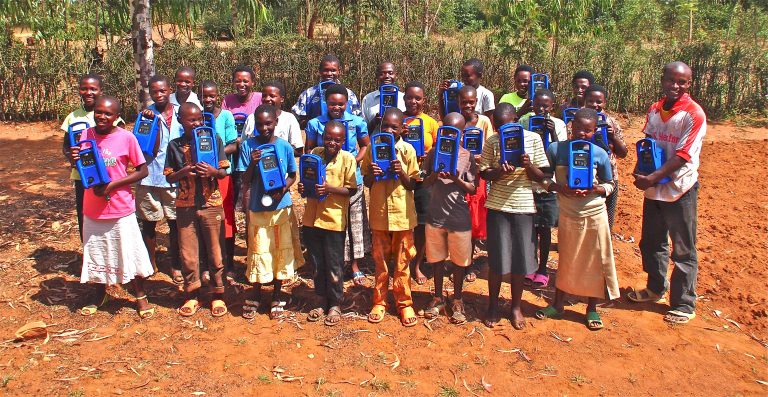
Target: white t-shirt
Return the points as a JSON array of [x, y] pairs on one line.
[[287, 128], [370, 104], [485, 100], [192, 98]]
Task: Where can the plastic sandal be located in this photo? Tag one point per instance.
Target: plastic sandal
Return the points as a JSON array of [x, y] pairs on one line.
[[90, 310], [358, 278], [146, 313], [678, 317], [434, 308], [528, 280], [189, 308], [277, 310], [250, 309], [407, 314], [540, 280], [594, 323], [376, 314], [216, 307], [644, 295], [458, 317], [334, 317], [548, 312], [315, 314]]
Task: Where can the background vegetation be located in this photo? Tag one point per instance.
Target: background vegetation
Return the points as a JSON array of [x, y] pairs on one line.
[[624, 42]]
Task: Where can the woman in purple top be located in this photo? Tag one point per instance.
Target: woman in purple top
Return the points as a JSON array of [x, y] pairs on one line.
[[244, 100]]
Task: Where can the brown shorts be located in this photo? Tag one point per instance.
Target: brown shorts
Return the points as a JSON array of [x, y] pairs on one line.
[[442, 244]]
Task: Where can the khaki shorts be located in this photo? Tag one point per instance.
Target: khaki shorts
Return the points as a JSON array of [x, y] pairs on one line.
[[155, 203], [442, 244]]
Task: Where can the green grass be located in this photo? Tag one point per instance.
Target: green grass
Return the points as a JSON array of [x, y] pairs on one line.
[[380, 385], [447, 391], [5, 379]]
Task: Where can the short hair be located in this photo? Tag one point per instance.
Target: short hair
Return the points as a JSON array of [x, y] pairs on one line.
[[454, 118], [596, 88], [523, 68], [113, 99], [186, 69], [274, 83], [336, 89], [91, 76], [584, 74], [467, 89], [208, 84], [543, 92], [504, 110], [264, 108], [397, 112], [415, 84], [476, 64], [329, 58], [378, 67], [158, 78], [243, 68], [586, 114], [335, 124]]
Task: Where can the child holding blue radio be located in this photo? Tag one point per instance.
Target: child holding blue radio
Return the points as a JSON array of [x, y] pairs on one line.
[[184, 80], [393, 218], [586, 266], [89, 87], [271, 257], [551, 129], [308, 105], [224, 126], [199, 211], [581, 80], [511, 209], [357, 142], [519, 97], [471, 74], [155, 197], [449, 227], [595, 97], [325, 218], [415, 117], [386, 75], [112, 251]]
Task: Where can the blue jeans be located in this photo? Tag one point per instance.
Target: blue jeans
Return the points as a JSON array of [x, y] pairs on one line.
[[663, 221]]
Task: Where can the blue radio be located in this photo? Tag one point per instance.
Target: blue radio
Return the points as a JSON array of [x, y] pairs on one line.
[[240, 119], [600, 137], [511, 144], [145, 131], [321, 88], [446, 149], [650, 158], [74, 131], [91, 166], [451, 97], [538, 124], [388, 94], [209, 120], [312, 172], [473, 140], [415, 134], [205, 146], [580, 165], [345, 145], [272, 177], [538, 81], [383, 154], [569, 114]]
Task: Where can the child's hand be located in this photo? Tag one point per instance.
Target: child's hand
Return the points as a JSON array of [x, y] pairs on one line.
[[187, 171], [526, 108], [103, 190], [567, 191], [321, 189], [507, 168], [525, 161], [376, 170], [256, 155], [397, 167], [609, 129], [301, 188], [205, 170], [549, 124], [74, 154], [148, 114], [277, 195], [444, 86], [643, 182], [477, 158], [451, 176]]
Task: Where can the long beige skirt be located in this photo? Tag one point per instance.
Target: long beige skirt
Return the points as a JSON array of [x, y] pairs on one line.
[[586, 266]]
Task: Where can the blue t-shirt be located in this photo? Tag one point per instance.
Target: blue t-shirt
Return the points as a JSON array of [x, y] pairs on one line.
[[225, 129], [286, 163], [167, 133], [357, 129]]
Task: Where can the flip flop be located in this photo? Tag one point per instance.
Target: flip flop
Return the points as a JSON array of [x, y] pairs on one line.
[[644, 295], [315, 314], [678, 317], [90, 310], [218, 308], [528, 280], [277, 310], [334, 317], [548, 312], [250, 309], [471, 276], [408, 317], [457, 316], [146, 313], [540, 280], [358, 278], [434, 308], [376, 314], [594, 323], [177, 277], [189, 308]]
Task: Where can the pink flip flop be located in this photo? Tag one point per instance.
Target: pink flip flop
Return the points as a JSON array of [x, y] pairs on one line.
[[540, 280], [529, 279]]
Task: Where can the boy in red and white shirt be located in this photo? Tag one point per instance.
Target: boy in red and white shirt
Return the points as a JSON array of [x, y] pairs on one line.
[[678, 124]]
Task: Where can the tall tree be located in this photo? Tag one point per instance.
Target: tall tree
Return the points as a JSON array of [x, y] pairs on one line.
[[143, 49]]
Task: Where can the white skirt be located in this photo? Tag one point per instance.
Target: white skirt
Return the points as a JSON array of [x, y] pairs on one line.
[[113, 251]]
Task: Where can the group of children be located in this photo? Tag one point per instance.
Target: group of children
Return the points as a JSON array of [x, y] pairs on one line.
[[413, 215]]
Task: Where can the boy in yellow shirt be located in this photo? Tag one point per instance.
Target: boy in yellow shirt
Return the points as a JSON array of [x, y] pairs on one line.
[[392, 219], [326, 220]]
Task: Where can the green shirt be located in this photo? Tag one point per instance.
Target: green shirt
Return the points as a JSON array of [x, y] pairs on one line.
[[513, 99]]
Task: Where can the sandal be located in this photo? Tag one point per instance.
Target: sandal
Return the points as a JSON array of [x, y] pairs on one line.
[[250, 309], [146, 313], [315, 314], [408, 317], [436, 305], [177, 277], [358, 278], [471, 276], [230, 278], [333, 317], [594, 323], [189, 308], [218, 308], [376, 314], [277, 310], [90, 310], [644, 295], [540, 280], [548, 312], [678, 317], [457, 316], [528, 280]]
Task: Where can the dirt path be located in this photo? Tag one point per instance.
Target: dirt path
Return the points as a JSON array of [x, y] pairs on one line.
[[114, 353]]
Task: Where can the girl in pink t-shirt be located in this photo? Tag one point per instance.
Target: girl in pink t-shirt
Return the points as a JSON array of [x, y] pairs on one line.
[[113, 251]]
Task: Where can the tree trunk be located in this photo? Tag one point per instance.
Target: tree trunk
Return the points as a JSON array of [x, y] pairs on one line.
[[143, 49], [425, 20], [690, 25], [311, 26]]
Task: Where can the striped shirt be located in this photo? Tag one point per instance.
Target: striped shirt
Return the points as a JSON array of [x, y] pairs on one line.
[[513, 193]]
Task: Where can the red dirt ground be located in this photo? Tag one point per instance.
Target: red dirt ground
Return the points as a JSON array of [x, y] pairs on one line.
[[721, 352]]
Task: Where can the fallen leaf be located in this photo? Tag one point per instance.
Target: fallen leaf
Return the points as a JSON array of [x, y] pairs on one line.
[[486, 385], [32, 330]]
